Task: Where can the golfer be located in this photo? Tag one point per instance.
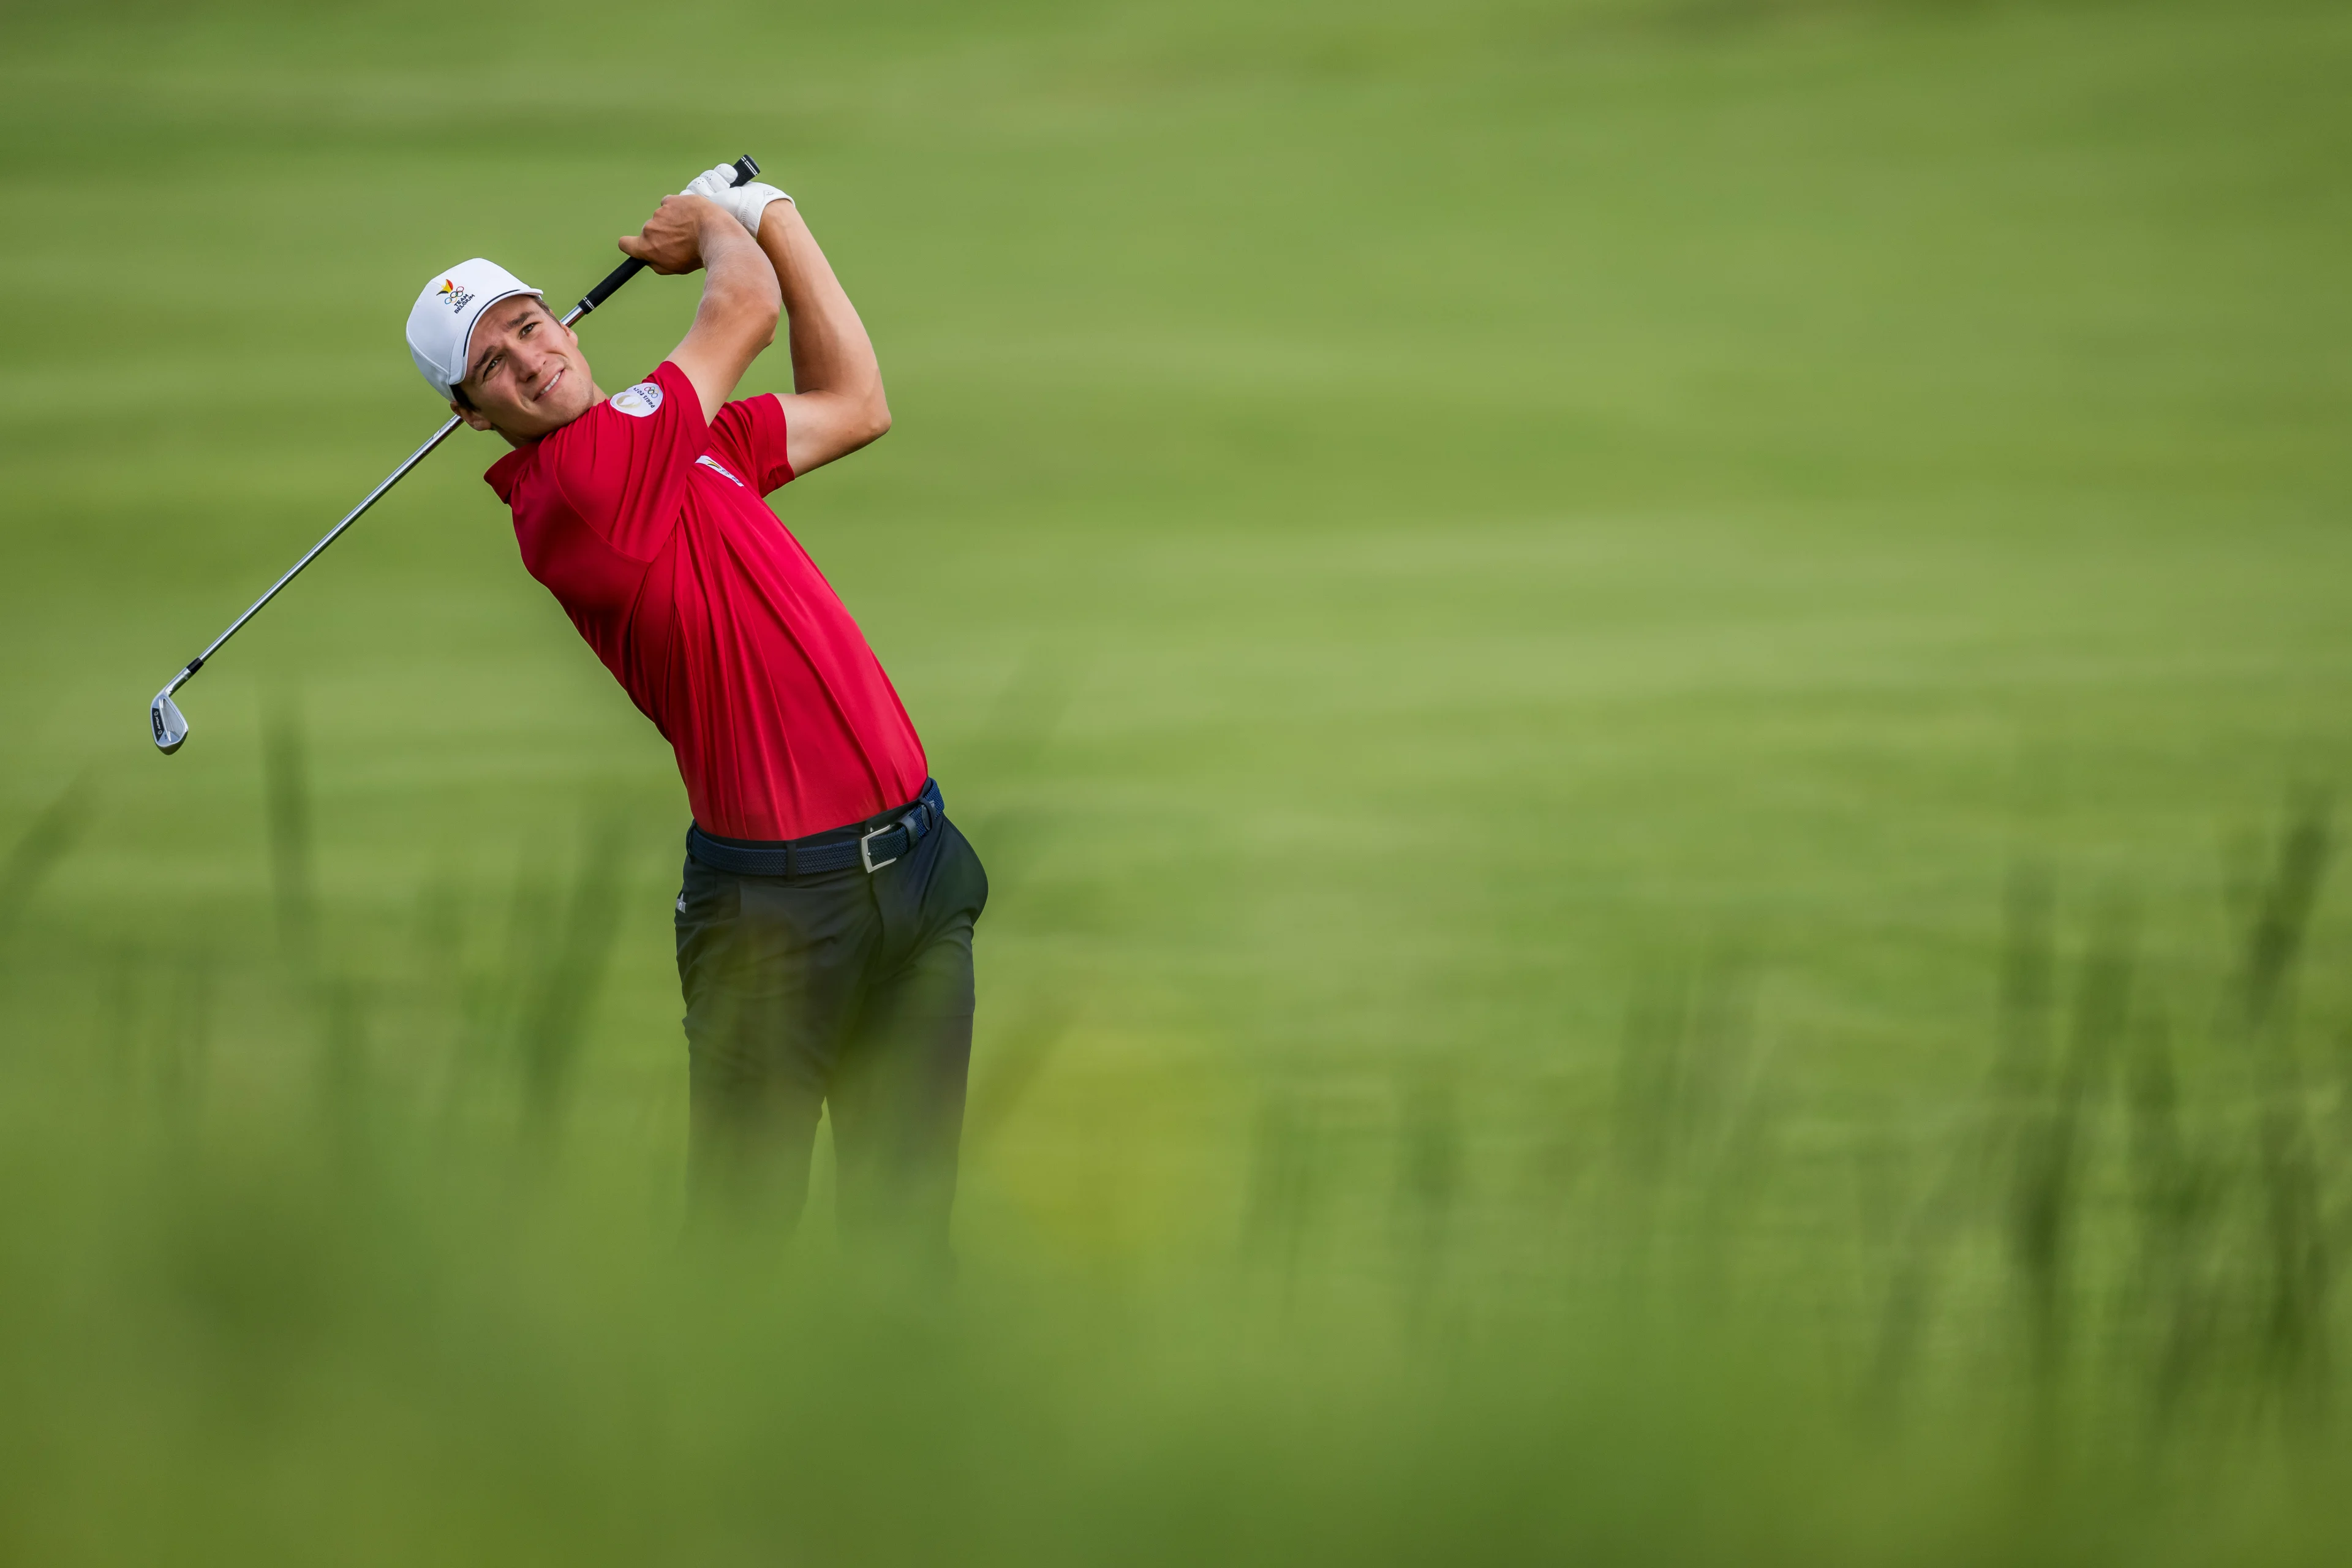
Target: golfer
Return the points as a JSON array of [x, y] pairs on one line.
[[825, 925]]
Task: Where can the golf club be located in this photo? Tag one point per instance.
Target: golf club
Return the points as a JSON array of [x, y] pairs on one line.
[[164, 716]]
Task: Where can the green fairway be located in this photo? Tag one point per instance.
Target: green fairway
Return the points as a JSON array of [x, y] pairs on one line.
[[1510, 593]]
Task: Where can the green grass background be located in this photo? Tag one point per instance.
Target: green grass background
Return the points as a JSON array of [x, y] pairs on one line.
[[1409, 530]]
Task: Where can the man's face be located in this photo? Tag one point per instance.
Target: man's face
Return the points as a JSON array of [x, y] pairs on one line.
[[525, 374]]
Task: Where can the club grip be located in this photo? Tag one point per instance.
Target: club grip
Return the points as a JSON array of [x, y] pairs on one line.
[[746, 169], [612, 280]]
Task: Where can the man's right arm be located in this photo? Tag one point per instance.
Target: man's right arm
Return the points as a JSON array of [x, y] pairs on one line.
[[741, 300]]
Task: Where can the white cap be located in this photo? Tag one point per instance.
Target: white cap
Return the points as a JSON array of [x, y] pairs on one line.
[[441, 322]]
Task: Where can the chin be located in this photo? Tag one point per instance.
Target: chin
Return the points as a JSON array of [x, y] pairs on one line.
[[543, 420]]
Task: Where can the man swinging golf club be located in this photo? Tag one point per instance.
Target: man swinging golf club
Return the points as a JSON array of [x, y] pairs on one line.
[[825, 921]]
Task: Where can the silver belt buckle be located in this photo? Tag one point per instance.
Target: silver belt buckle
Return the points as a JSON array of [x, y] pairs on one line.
[[865, 850]]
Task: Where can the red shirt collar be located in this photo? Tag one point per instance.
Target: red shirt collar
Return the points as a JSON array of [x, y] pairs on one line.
[[507, 473]]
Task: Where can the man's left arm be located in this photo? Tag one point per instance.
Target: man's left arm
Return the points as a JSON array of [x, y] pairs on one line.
[[836, 404]]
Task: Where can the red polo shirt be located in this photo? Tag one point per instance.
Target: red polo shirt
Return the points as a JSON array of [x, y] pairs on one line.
[[645, 520]]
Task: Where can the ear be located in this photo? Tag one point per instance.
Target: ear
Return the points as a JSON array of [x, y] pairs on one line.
[[474, 417]]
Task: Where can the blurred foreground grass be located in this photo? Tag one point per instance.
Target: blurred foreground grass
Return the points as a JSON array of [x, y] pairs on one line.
[[1649, 688]]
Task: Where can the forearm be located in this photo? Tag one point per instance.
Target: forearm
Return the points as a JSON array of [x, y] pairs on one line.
[[737, 317], [830, 352], [739, 287]]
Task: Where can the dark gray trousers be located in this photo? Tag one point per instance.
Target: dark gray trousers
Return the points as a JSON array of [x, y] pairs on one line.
[[840, 989]]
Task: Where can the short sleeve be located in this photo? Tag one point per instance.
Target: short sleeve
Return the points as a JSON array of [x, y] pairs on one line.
[[623, 466], [751, 433]]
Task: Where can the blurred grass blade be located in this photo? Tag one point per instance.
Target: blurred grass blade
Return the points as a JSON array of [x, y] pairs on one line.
[[45, 841], [292, 879], [561, 997]]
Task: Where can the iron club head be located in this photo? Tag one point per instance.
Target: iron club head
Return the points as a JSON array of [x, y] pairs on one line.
[[164, 718]]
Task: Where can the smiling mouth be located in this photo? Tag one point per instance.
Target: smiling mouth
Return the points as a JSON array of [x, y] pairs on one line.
[[552, 380]]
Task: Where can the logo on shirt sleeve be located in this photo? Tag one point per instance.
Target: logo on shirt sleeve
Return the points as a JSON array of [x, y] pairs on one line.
[[638, 400], [717, 468]]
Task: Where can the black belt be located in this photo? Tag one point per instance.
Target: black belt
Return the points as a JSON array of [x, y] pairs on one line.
[[873, 844]]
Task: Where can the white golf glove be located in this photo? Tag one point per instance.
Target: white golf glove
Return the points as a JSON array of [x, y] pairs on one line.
[[745, 202]]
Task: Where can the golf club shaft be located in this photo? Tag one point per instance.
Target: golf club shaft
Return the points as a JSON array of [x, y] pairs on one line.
[[746, 171], [311, 554]]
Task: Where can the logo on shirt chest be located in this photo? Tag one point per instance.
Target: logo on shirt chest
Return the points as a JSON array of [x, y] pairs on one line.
[[713, 465]]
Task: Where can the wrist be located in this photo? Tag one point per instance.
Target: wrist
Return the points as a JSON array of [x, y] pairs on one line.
[[749, 203], [781, 209]]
